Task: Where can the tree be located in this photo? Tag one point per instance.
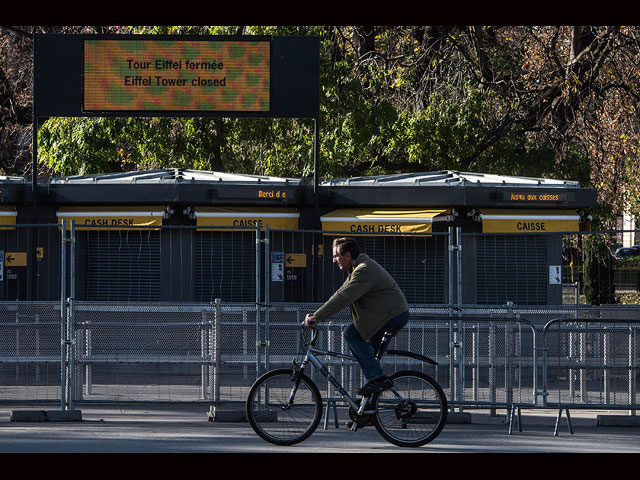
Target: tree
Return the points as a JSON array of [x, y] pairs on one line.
[[548, 101], [599, 288]]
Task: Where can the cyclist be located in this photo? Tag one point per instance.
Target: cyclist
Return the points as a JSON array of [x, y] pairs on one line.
[[377, 305]]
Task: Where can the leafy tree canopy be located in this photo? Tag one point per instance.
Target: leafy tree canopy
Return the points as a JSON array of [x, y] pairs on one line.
[[549, 101]]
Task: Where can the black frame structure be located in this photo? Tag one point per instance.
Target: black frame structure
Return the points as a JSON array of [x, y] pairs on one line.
[[460, 197], [181, 192], [58, 73]]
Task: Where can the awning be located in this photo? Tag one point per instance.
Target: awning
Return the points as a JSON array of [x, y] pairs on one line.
[[529, 221], [365, 221], [117, 217], [8, 217], [247, 217]]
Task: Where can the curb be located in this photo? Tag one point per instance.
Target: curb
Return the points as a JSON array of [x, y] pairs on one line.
[[46, 416], [458, 418], [238, 416], [618, 421], [218, 415]]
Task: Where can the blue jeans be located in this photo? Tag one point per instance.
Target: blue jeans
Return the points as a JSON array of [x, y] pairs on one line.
[[364, 350]]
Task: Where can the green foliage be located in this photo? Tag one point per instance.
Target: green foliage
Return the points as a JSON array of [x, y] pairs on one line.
[[378, 115], [599, 288]]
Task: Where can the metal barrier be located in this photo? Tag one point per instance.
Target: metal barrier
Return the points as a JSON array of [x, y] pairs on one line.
[[494, 361], [30, 353], [591, 363], [488, 356], [212, 353]]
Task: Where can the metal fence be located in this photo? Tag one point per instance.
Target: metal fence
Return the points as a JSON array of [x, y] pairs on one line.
[[489, 355]]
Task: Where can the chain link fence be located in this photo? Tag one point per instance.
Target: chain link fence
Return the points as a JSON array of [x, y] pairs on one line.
[[502, 349]]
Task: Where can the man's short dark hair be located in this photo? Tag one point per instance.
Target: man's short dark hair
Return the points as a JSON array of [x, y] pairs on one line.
[[347, 244]]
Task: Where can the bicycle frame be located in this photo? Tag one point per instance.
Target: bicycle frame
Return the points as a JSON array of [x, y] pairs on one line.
[[311, 357]]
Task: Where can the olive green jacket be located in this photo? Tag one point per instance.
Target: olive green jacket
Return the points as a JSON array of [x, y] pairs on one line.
[[372, 295]]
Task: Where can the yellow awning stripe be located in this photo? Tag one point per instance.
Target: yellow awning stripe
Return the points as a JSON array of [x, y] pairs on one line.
[[8, 216], [108, 218], [529, 221], [377, 221], [247, 217]]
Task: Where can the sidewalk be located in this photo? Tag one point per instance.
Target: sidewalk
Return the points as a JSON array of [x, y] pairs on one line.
[[187, 429]]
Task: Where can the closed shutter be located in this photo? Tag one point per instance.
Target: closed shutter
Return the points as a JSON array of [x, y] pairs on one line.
[[511, 268], [225, 266], [123, 265], [417, 264]]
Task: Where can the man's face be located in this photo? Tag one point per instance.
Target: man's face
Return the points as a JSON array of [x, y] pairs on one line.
[[343, 261]]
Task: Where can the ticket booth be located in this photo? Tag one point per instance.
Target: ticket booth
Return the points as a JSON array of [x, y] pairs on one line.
[[518, 256], [118, 252], [410, 243], [226, 264]]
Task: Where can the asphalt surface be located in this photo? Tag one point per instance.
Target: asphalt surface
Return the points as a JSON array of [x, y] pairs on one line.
[[188, 429]]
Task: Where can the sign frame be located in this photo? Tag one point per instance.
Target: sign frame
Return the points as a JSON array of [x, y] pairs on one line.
[[295, 76], [58, 70]]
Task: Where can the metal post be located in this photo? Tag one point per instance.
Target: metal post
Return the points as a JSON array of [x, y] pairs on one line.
[[207, 353], [632, 374], [492, 365], [217, 320], [460, 322], [63, 313], [475, 346], [508, 348], [452, 347], [258, 226], [544, 368], [267, 297], [72, 319], [316, 151], [606, 339], [67, 323], [71, 393]]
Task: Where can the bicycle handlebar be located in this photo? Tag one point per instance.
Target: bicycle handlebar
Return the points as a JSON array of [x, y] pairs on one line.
[[314, 332]]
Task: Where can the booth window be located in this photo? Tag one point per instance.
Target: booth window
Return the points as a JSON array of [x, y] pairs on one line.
[[122, 260], [417, 264], [123, 265], [511, 268], [225, 266]]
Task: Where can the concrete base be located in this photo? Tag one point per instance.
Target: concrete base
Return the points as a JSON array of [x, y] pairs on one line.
[[458, 418], [618, 421], [219, 415], [46, 416]]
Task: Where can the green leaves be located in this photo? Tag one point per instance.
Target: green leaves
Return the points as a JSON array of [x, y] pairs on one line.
[[418, 99]]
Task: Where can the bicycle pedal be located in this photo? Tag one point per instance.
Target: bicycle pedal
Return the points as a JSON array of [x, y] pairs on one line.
[[352, 426]]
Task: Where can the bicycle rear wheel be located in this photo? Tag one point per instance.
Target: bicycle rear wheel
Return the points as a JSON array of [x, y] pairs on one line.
[[284, 407], [411, 414]]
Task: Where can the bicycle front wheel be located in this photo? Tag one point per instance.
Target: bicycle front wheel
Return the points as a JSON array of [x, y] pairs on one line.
[[411, 414], [284, 407]]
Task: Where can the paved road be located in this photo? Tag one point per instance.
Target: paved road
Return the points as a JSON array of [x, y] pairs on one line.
[[187, 429]]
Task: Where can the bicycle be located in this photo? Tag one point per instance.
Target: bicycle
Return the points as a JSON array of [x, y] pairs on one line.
[[284, 406]]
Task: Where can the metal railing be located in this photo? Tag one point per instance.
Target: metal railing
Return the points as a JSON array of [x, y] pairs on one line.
[[495, 356], [212, 353], [591, 363]]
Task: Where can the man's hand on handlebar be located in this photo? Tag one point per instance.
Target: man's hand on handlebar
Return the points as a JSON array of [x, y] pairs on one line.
[[310, 320]]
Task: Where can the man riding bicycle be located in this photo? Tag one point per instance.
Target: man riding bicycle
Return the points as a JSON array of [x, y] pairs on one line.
[[377, 305]]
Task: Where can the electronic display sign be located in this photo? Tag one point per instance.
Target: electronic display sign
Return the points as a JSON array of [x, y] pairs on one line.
[[180, 75], [536, 197], [248, 76]]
